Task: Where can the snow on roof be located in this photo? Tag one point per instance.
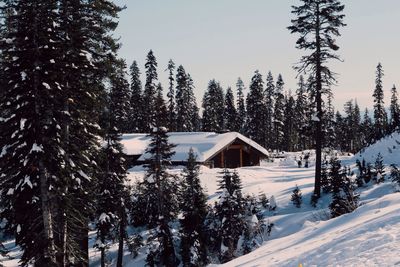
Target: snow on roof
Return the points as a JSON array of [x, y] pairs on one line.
[[204, 144]]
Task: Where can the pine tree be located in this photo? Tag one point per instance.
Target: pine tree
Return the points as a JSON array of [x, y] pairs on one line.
[[279, 113], [379, 176], [241, 106], [317, 23], [301, 115], [112, 192], [158, 193], [150, 92], [161, 111], [325, 178], [136, 115], [380, 116], [367, 129], [213, 108], [120, 97], [55, 74], [230, 111], [229, 211], [186, 107], [289, 135], [269, 94], [255, 125], [193, 205], [395, 175], [329, 123], [171, 98], [296, 197], [394, 110], [344, 199]]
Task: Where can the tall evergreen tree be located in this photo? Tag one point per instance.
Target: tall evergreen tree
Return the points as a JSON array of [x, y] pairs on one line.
[[150, 92], [136, 115], [380, 116], [171, 97], [318, 22], [301, 114], [112, 192], [394, 110], [213, 108], [241, 106], [289, 135], [279, 113], [55, 74], [158, 193], [193, 205], [255, 125], [367, 129], [186, 106], [230, 111], [230, 211], [120, 92], [269, 94]]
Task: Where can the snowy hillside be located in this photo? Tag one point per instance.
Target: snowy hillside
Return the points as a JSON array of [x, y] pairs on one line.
[[389, 147], [369, 236]]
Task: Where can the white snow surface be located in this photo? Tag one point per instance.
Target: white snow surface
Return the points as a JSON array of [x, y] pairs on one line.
[[204, 144], [370, 236], [389, 147]]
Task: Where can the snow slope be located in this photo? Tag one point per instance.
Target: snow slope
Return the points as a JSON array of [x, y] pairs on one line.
[[368, 237], [389, 147]]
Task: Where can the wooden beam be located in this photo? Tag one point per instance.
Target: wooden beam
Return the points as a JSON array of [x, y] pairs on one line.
[[222, 159]]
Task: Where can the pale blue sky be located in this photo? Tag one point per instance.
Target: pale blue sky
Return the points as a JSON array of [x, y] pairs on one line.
[[227, 39]]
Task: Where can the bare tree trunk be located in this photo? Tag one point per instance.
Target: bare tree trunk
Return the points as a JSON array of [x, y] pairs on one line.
[[121, 237]]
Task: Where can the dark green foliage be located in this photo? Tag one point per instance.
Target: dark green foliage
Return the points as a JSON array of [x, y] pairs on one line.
[[187, 112], [379, 174], [289, 130], [241, 106], [325, 178], [344, 199], [300, 111], [112, 194], [380, 115], [193, 205], [135, 242], [229, 211], [279, 115], [230, 112], [296, 197], [171, 125], [255, 124], [394, 110], [136, 113], [395, 175], [264, 200], [269, 94], [317, 23], [150, 92], [213, 108], [158, 194], [161, 109]]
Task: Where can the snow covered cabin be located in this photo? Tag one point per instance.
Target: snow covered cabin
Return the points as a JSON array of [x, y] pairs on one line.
[[214, 150]]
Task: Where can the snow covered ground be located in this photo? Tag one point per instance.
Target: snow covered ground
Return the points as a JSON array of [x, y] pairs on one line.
[[370, 236]]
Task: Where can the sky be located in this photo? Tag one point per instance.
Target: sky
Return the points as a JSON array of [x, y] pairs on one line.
[[227, 39]]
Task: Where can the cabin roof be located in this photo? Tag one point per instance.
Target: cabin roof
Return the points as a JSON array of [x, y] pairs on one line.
[[205, 144]]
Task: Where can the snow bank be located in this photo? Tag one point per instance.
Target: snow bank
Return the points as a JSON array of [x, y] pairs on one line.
[[389, 147]]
